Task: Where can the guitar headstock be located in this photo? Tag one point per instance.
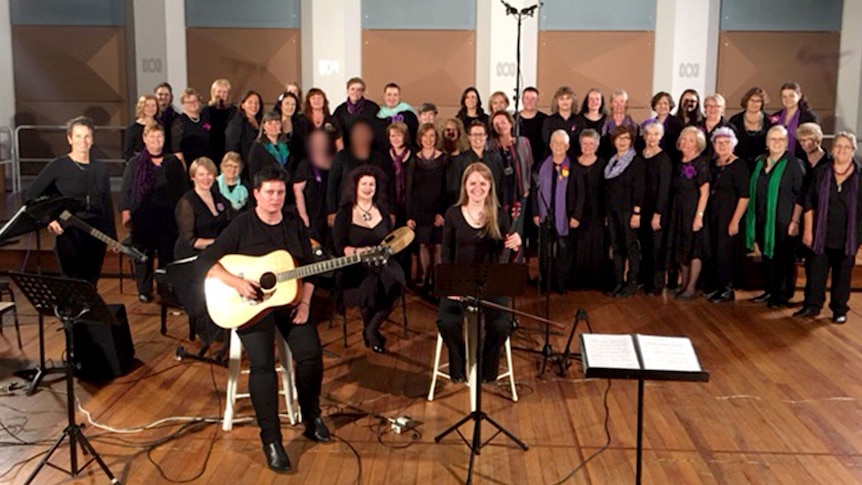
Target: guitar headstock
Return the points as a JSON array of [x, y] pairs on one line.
[[376, 256], [65, 215]]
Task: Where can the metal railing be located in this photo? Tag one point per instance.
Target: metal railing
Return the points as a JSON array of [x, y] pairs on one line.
[[17, 159]]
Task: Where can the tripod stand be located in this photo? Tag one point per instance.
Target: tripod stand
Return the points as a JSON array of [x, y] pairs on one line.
[[68, 300]]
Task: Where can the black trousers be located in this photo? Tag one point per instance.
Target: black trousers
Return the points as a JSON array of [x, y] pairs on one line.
[[779, 271], [726, 257], [498, 327], [652, 255], [626, 247], [259, 343], [559, 252], [161, 245], [842, 271], [80, 255]]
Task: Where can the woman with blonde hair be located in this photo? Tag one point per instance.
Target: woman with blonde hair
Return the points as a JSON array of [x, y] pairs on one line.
[[145, 115], [218, 112]]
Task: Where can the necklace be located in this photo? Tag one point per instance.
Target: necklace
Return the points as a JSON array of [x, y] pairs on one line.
[[475, 220], [846, 170], [366, 214]]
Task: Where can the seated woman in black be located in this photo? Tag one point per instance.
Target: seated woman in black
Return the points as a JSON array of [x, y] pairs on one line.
[[475, 231], [362, 222], [153, 183]]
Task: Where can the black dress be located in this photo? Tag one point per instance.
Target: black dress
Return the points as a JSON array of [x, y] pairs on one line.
[[709, 151], [684, 244], [315, 200], [590, 248], [729, 183], [239, 137], [219, 118], [259, 158], [468, 120], [531, 128], [191, 138], [339, 175], [752, 143], [133, 142], [658, 174], [343, 119], [427, 198], [583, 123], [556, 122]]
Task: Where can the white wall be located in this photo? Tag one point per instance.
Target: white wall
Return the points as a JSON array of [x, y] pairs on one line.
[[496, 40], [848, 101], [331, 45]]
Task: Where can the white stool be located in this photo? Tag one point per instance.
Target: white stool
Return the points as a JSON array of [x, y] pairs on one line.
[[284, 367], [472, 368]]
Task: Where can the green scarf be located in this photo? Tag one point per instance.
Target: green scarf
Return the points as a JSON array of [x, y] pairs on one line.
[[279, 151], [768, 248]]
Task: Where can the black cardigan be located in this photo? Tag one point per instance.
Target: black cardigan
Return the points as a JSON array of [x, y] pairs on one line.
[[789, 192]]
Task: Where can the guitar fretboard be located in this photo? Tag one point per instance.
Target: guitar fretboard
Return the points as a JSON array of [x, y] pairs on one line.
[[317, 268]]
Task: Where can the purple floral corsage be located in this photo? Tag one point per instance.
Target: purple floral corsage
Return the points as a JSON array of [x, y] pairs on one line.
[[688, 171]]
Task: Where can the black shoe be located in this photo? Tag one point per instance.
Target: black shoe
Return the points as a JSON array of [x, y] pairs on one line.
[[723, 296], [839, 318], [761, 298], [276, 458], [317, 431], [458, 378], [711, 294], [615, 292], [807, 311], [627, 291], [776, 304]]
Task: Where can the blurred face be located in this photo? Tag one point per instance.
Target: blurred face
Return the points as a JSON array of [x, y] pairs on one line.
[[499, 103], [396, 139], [164, 96], [154, 141], [618, 105], [361, 135], [809, 144], [391, 97], [477, 138], [428, 139], [203, 178], [471, 100], [754, 104], [288, 106], [151, 108], [365, 187], [594, 101], [272, 128], [355, 92], [662, 106], [221, 92], [564, 103], [427, 117], [477, 187], [776, 143], [652, 136], [588, 146], [230, 170], [270, 196], [81, 139], [318, 145], [251, 106], [842, 150], [723, 147], [450, 132], [714, 111], [689, 101], [316, 101], [623, 142], [790, 98], [559, 146], [502, 126], [530, 100], [688, 144], [191, 105]]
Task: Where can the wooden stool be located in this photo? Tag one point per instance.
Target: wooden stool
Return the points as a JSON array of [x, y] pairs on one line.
[[9, 306], [285, 368]]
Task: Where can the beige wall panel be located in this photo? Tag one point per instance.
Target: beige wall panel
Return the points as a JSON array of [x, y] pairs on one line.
[[429, 65], [768, 59], [261, 59]]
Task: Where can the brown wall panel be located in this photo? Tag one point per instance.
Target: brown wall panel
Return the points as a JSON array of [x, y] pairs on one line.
[[604, 60], [429, 65], [261, 59], [768, 59]]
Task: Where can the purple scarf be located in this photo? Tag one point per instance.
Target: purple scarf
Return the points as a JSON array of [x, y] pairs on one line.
[[354, 108], [547, 173], [610, 125], [397, 162], [145, 178], [822, 213], [791, 129]]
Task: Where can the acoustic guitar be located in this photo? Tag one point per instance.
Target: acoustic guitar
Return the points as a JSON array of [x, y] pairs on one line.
[[280, 280], [67, 219]]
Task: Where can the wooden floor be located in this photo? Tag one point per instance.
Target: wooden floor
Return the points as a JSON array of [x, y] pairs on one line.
[[782, 406]]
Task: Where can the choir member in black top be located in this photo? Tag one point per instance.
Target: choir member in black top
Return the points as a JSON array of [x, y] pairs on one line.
[[244, 128], [531, 121], [202, 213], [309, 186], [751, 125], [399, 163], [153, 183], [562, 117], [361, 223], [453, 139], [270, 148], [293, 127], [810, 138], [256, 233], [658, 171], [394, 111], [592, 115], [589, 248], [662, 103], [795, 112], [773, 216], [619, 116], [498, 101], [315, 111], [190, 132], [688, 110], [167, 114], [218, 112], [427, 113], [87, 181], [355, 107], [728, 200], [360, 152], [228, 183], [558, 202], [426, 202], [517, 158], [714, 105], [624, 182], [833, 229], [477, 133], [688, 240], [145, 114], [471, 108], [475, 231]]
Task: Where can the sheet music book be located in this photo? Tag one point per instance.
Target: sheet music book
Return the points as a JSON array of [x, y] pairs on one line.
[[649, 357]]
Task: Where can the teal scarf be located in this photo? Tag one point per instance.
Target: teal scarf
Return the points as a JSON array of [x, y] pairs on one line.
[[385, 112], [237, 197], [278, 151], [768, 248]]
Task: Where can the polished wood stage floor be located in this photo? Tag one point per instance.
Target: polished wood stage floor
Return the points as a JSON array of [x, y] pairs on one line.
[[782, 406]]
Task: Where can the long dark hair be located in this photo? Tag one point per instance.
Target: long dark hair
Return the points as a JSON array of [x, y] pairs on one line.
[[463, 111], [245, 96], [803, 101], [306, 105], [287, 94]]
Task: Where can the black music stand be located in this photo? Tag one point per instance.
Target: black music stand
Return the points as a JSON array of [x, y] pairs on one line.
[[67, 299], [473, 282]]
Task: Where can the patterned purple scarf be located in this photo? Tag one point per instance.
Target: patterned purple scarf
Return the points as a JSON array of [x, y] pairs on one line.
[[822, 213], [145, 178], [397, 162], [354, 108]]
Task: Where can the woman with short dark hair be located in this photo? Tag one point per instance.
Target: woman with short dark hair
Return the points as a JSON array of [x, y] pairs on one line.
[[662, 104], [563, 117], [751, 125], [426, 202]]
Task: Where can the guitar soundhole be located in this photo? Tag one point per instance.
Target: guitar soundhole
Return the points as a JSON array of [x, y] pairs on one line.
[[267, 281]]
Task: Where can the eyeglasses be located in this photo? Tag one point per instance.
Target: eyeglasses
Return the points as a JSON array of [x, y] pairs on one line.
[[772, 139], [842, 147], [478, 135]]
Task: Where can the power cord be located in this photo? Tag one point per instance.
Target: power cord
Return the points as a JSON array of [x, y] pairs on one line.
[[600, 450]]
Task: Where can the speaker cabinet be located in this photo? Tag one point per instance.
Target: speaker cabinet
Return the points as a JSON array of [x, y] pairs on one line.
[[102, 350]]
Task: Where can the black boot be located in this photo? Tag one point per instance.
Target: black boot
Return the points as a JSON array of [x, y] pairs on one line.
[[316, 430], [276, 457]]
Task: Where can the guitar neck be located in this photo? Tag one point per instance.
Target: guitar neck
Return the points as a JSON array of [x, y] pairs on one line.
[[317, 268], [101, 236]]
